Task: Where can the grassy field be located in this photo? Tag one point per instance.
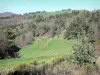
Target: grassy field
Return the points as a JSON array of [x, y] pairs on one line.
[[47, 14], [42, 49], [53, 13]]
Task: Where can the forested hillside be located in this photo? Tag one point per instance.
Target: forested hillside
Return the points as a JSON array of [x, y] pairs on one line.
[[20, 30], [63, 42]]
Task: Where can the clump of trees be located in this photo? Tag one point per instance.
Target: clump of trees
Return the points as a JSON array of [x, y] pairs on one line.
[[7, 47], [84, 51]]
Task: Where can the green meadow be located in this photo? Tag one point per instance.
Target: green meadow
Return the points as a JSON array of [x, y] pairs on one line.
[[42, 49]]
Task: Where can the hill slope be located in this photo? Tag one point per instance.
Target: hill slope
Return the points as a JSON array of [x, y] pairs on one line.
[[41, 49]]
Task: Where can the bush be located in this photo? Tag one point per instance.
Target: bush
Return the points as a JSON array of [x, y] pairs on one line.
[[35, 62], [58, 60]]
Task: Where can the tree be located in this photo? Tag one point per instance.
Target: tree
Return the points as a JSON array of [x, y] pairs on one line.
[[84, 49], [11, 35], [3, 45]]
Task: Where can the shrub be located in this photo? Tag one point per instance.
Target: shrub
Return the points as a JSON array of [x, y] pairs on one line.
[[35, 62], [58, 60]]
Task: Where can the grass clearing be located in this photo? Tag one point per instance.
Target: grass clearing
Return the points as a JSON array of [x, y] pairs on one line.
[[42, 49], [46, 14]]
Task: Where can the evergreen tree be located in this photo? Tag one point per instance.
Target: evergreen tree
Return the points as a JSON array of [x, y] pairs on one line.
[[84, 48]]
